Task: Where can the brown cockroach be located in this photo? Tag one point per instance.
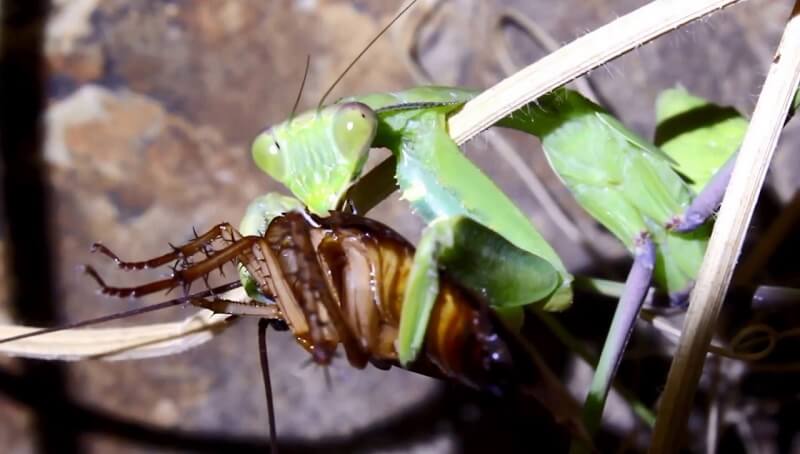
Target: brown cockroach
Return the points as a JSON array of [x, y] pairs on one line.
[[341, 279]]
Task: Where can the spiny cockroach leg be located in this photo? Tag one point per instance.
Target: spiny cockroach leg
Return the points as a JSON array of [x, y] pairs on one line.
[[137, 291], [178, 252], [180, 277], [205, 249], [225, 306]]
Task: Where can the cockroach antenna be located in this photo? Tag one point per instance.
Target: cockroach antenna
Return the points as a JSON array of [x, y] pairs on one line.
[[302, 85], [125, 314], [360, 54], [263, 356]]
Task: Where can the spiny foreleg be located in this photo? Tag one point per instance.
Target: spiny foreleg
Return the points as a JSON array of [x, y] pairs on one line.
[[182, 277], [200, 243]]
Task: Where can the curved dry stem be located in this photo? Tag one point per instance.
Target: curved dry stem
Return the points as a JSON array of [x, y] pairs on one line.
[[727, 238]]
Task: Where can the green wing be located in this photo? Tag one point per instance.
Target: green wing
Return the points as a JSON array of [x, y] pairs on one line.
[[622, 180], [698, 135]]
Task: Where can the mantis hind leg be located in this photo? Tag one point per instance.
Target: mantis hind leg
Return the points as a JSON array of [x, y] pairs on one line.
[[692, 223], [481, 260], [636, 287]]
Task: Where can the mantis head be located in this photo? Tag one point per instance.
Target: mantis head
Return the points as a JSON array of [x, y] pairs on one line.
[[319, 153]]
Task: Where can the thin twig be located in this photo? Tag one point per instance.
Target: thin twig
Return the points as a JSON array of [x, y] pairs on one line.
[[726, 240]]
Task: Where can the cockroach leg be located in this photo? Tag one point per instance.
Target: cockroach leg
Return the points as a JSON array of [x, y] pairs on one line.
[[198, 244], [180, 277], [225, 306], [140, 290]]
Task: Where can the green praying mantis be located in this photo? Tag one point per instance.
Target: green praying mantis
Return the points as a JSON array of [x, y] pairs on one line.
[[632, 187]]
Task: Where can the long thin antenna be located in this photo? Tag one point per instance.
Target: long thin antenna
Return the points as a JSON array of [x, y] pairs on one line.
[[302, 85], [355, 60], [263, 324], [130, 313]]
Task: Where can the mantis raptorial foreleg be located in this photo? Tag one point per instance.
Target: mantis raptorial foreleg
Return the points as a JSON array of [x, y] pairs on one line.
[[467, 249]]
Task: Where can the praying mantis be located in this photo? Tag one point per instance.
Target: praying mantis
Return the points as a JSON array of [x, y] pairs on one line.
[[629, 185]]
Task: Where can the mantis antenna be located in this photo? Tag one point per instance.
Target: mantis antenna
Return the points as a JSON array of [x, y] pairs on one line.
[[302, 85], [360, 54]]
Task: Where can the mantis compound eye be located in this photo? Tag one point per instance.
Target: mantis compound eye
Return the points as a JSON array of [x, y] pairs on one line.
[[268, 155], [354, 127]]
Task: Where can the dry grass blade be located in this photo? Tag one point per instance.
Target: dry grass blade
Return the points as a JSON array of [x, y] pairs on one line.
[[111, 344], [726, 240], [567, 63]]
